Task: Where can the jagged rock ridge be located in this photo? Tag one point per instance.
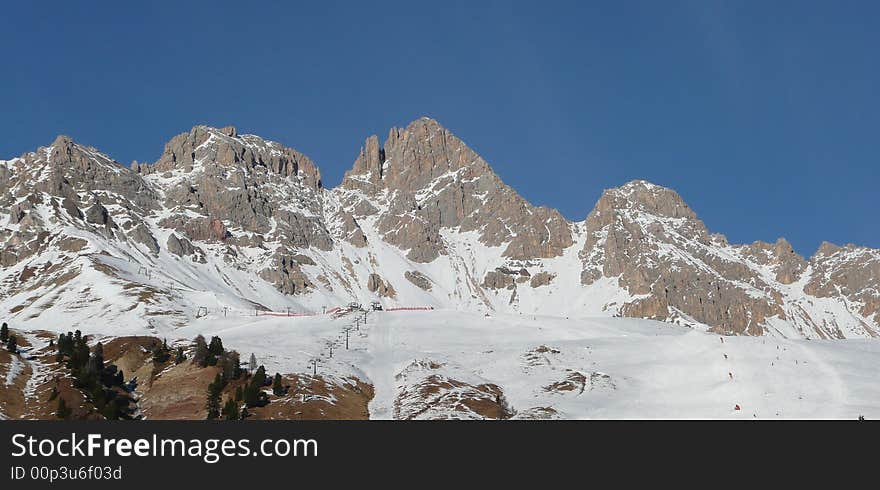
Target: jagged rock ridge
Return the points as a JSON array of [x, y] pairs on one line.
[[225, 220]]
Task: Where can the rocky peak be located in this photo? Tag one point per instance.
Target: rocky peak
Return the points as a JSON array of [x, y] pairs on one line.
[[434, 181], [640, 210], [849, 271], [62, 141], [224, 147], [827, 249], [646, 197], [66, 168], [787, 264], [64, 150], [424, 151], [366, 174]]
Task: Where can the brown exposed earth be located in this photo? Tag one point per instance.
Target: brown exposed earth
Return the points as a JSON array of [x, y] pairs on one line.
[[164, 391]]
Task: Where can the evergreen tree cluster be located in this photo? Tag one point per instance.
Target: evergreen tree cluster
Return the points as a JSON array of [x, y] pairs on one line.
[[277, 387], [213, 354], [253, 392], [4, 332], [102, 384], [231, 411], [161, 352], [215, 390]]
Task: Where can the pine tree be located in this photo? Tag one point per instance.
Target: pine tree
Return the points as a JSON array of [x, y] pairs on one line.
[[230, 410], [277, 387], [96, 361], [200, 351], [161, 352], [239, 394], [65, 346], [260, 377], [252, 363], [253, 394], [63, 411], [181, 356], [229, 365], [215, 350], [213, 403], [4, 332], [11, 344]]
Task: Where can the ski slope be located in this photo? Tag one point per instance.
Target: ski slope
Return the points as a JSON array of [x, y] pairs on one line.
[[623, 368]]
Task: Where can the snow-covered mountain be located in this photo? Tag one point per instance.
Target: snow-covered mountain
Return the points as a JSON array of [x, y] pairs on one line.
[[228, 223]]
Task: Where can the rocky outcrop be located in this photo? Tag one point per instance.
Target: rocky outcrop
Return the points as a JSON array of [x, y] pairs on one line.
[[181, 247], [98, 215], [258, 186], [654, 243], [375, 284], [541, 279], [780, 257], [72, 209], [287, 276], [498, 280], [224, 147], [647, 238], [851, 272], [141, 234], [419, 279], [198, 229]]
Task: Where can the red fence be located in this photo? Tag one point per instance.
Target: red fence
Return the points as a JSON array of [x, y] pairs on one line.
[[337, 310]]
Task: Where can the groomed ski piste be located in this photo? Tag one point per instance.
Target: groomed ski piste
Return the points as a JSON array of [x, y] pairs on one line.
[[587, 368]]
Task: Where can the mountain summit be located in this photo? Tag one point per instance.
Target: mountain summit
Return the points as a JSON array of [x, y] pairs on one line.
[[230, 220], [425, 180]]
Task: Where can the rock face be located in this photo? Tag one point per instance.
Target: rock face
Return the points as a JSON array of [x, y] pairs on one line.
[[181, 246], [541, 279], [647, 238], [425, 180], [498, 280], [419, 220], [850, 272], [376, 285]]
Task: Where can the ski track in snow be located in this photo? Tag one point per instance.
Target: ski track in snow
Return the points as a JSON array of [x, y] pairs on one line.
[[380, 369]]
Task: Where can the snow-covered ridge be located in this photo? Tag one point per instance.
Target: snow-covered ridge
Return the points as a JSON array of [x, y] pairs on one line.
[[234, 223]]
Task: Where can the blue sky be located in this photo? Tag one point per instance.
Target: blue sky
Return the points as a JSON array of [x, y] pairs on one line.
[[765, 116]]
